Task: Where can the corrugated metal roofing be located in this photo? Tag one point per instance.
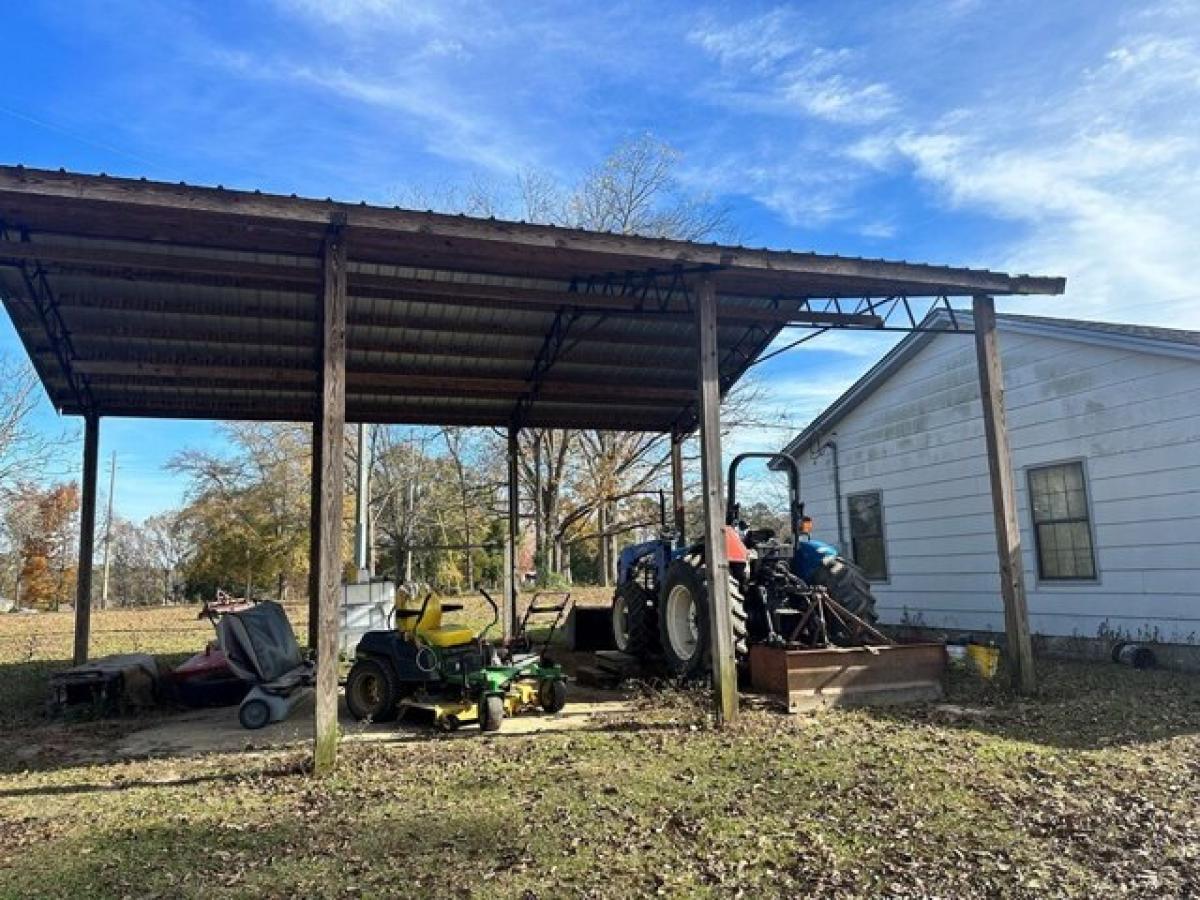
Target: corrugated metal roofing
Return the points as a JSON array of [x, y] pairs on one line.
[[146, 299]]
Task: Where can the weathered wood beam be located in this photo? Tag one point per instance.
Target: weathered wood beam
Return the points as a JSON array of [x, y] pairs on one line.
[[314, 536], [87, 537], [20, 187], [610, 417], [459, 293], [286, 351], [513, 574], [1004, 498], [724, 666], [332, 432], [428, 385], [87, 317]]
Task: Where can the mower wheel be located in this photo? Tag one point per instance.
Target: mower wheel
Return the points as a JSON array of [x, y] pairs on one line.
[[491, 712], [371, 691], [552, 695], [635, 628], [254, 714]]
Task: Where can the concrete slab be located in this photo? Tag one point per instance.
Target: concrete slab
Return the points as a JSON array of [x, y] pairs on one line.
[[218, 731]]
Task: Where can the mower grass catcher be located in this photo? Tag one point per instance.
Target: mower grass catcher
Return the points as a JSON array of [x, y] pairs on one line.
[[451, 673]]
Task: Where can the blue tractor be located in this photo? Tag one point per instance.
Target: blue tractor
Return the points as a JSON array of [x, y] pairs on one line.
[[660, 608]]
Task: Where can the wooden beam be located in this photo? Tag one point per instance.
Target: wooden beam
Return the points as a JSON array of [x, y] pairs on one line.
[[430, 385], [329, 559], [469, 294], [135, 318], [1004, 500], [87, 536], [514, 533], [677, 502], [63, 195], [275, 349], [314, 536], [709, 400]]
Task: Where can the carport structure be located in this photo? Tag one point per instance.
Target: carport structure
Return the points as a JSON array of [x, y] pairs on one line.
[[145, 299]]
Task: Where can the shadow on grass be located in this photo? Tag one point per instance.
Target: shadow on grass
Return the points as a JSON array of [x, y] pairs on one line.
[[1079, 706]]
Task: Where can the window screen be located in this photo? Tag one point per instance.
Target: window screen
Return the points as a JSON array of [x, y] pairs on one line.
[[866, 534], [1061, 525]]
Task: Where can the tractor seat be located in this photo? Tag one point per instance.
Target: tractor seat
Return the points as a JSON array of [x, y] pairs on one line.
[[447, 635], [429, 627]]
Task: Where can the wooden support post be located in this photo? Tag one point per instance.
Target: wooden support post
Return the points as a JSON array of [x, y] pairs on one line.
[[677, 488], [514, 535], [717, 561], [1004, 500], [314, 537], [329, 559], [87, 537]]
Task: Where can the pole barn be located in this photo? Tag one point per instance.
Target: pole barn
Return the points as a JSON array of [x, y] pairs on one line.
[[152, 300]]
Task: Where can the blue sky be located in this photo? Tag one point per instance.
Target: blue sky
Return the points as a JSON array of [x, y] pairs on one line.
[[1057, 138]]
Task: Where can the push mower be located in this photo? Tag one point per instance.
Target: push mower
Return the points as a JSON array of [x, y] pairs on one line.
[[451, 673]]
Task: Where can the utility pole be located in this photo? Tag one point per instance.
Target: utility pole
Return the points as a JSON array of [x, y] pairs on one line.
[[362, 507], [112, 481]]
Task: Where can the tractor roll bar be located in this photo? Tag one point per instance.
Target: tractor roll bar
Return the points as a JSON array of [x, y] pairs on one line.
[[796, 508]]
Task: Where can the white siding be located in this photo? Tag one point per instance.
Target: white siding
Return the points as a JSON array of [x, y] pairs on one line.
[[1132, 417]]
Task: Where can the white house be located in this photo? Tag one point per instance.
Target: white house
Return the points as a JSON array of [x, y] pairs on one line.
[[1104, 427]]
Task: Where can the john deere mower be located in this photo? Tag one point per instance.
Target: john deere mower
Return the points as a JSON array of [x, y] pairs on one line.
[[778, 589], [449, 671]]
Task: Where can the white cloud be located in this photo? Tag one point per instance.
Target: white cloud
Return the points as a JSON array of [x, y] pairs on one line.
[[771, 65], [421, 101], [1102, 176]]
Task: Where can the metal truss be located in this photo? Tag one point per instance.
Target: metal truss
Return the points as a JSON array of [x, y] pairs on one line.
[[40, 298], [656, 291]]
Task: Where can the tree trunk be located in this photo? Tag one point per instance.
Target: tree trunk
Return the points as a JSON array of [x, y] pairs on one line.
[[602, 527]]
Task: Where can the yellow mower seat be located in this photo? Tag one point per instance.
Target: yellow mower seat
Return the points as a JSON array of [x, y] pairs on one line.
[[429, 627]]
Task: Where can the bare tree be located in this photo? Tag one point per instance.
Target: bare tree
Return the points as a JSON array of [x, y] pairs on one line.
[[24, 450]]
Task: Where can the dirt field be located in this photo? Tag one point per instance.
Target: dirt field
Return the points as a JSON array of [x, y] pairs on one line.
[[1091, 789]]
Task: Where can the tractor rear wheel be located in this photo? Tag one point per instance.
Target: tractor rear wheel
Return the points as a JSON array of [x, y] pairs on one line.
[[683, 620], [635, 628], [848, 586], [372, 691]]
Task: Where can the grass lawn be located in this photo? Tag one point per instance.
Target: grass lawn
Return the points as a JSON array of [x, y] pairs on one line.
[[1092, 790]]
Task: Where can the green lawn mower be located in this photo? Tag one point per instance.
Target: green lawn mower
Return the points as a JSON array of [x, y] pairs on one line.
[[449, 672]]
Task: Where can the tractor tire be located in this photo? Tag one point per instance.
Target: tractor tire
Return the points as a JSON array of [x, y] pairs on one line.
[[683, 621], [372, 691], [847, 585], [552, 696], [491, 712], [634, 621]]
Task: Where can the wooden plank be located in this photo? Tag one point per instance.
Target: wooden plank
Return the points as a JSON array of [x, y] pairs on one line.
[[433, 385], [513, 559], [64, 194], [179, 320], [87, 537], [1004, 500], [709, 401], [169, 347], [314, 535], [333, 426], [677, 501]]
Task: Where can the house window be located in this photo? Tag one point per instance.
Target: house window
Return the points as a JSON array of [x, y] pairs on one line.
[[1062, 527], [866, 534]]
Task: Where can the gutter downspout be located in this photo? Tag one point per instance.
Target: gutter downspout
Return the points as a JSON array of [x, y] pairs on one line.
[[837, 491]]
